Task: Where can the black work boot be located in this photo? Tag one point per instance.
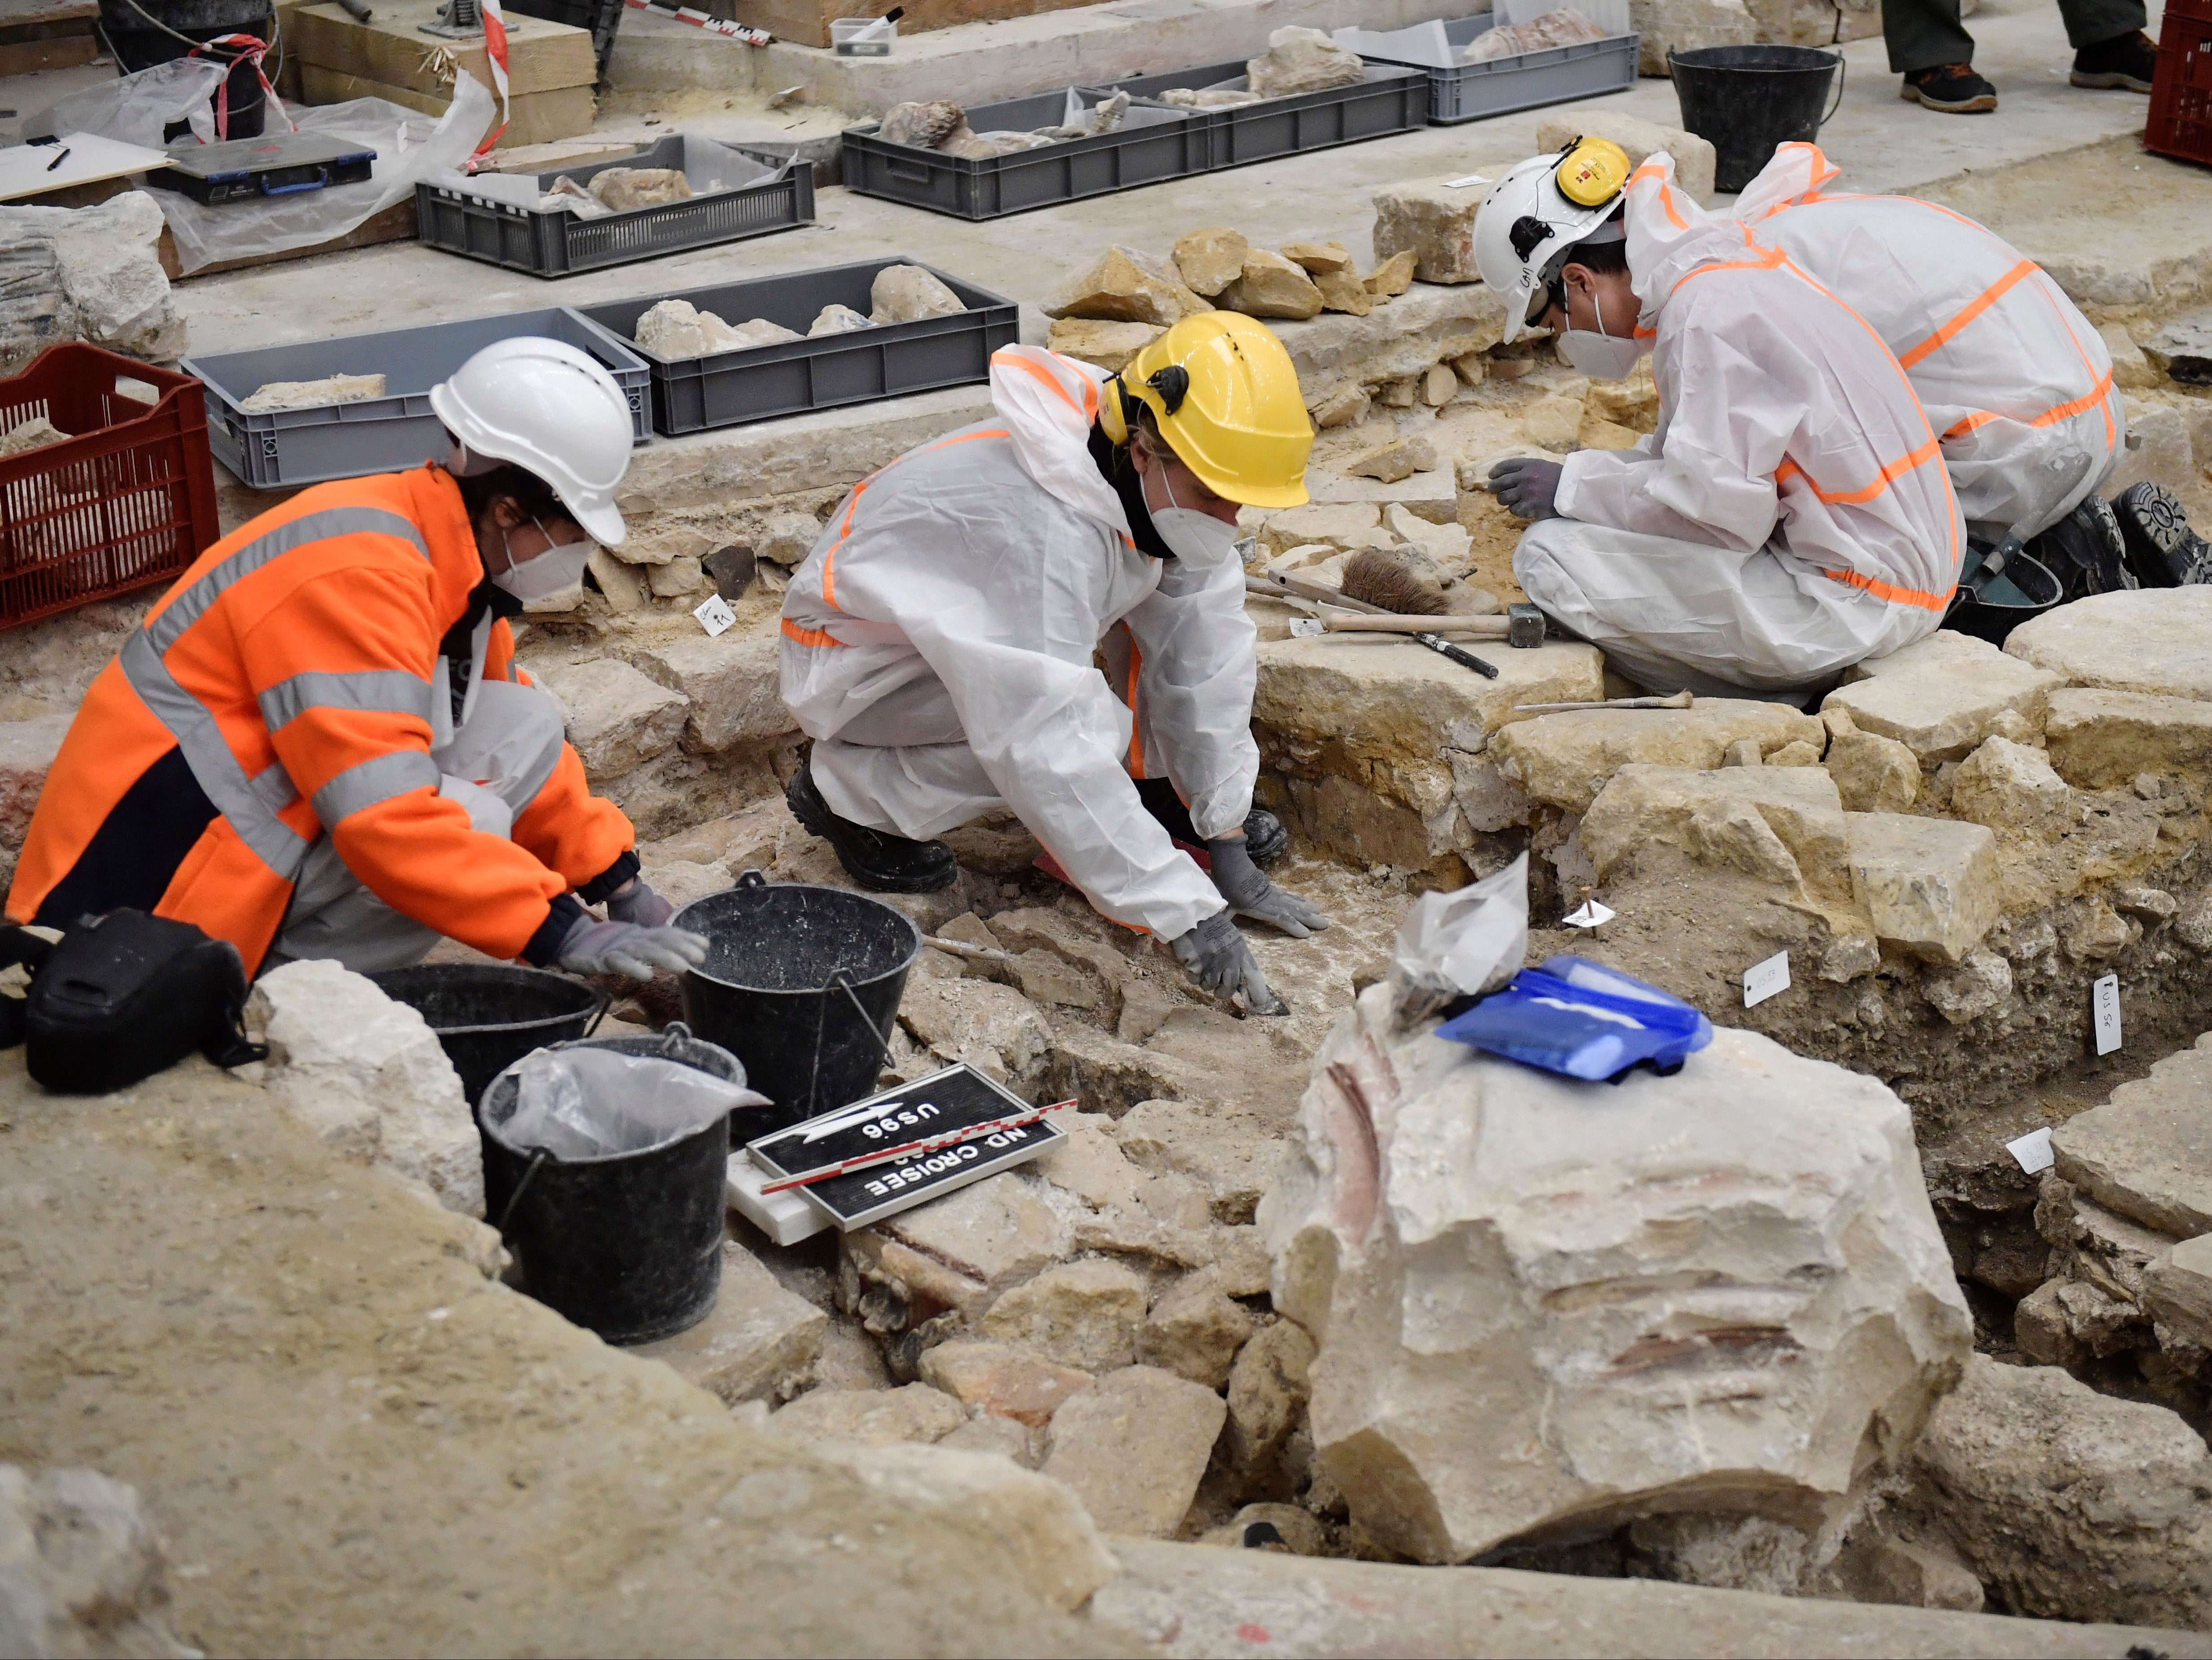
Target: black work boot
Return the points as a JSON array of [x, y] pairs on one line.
[[1954, 89], [2085, 552], [874, 859], [2126, 62], [2163, 551]]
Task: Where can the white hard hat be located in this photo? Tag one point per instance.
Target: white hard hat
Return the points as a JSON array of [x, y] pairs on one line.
[[552, 410], [1528, 219]]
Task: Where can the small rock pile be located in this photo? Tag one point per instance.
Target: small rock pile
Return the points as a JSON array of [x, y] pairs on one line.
[[943, 126], [677, 330], [1124, 300], [1564, 28]]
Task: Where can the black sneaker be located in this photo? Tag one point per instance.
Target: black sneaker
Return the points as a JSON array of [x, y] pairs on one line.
[[2125, 61], [874, 859], [1265, 838], [2163, 551], [1954, 89], [2086, 552]]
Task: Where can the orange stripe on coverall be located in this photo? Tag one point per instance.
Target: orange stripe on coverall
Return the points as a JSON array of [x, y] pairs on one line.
[[852, 506]]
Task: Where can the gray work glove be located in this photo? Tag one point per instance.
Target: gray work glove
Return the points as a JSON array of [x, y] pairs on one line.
[[1215, 955], [634, 902], [1527, 487], [1250, 893], [596, 947]]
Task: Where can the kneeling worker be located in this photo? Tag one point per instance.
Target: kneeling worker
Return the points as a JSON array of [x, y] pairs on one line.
[[317, 745], [939, 642], [1792, 516]]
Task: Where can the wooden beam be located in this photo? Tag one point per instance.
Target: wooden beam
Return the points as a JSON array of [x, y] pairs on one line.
[[537, 118], [392, 50]]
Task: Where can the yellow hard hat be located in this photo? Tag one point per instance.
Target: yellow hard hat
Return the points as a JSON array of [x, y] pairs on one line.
[[1226, 398]]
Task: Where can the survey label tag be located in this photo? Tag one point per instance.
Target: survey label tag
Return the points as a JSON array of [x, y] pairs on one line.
[[714, 614], [2032, 1152], [1589, 914], [2105, 1011], [1763, 980], [1307, 628]]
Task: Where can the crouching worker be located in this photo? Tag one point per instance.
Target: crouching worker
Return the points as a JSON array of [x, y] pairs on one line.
[[317, 745], [1792, 515], [939, 642]]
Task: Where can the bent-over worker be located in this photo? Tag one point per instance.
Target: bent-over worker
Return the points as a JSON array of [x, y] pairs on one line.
[[317, 745], [1791, 515], [938, 640]]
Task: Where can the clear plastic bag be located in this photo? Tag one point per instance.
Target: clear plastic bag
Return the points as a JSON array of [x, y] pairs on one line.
[[139, 107], [1461, 943], [589, 1102]]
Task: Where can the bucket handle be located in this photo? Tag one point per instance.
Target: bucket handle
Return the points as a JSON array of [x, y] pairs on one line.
[[538, 1157], [1842, 74], [751, 879], [605, 1001], [840, 977]]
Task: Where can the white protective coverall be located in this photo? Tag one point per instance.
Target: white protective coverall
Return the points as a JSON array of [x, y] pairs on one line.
[[2016, 383], [937, 649], [1791, 516]]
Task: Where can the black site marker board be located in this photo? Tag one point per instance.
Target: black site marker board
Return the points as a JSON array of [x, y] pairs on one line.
[[930, 1114]]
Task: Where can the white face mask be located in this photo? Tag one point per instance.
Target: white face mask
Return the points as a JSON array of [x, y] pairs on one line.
[[546, 574], [1600, 355], [1201, 542]]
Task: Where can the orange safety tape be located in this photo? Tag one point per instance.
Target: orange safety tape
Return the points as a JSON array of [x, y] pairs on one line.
[[1889, 475], [1882, 590], [1666, 195], [792, 631], [1973, 308], [852, 506], [1136, 724], [1005, 357]]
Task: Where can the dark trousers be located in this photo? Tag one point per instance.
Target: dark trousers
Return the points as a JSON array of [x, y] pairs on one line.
[[1924, 34]]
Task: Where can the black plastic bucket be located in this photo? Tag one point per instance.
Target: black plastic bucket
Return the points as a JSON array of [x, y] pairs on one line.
[[488, 1016], [1749, 100], [802, 983], [630, 1245], [2022, 592]]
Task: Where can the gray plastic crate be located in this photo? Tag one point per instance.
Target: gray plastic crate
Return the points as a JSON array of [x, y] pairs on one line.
[[1390, 99], [1526, 81], [288, 448], [987, 187], [552, 242], [794, 376]]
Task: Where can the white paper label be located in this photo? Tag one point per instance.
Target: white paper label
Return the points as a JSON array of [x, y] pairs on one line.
[[714, 614], [1762, 980], [2105, 1011], [1467, 183], [1588, 915], [1307, 628], [2032, 1152]]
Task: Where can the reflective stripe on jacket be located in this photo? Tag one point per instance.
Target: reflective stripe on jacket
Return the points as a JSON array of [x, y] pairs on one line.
[[283, 689]]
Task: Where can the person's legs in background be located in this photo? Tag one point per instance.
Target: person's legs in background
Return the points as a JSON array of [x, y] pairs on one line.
[[2110, 47], [1930, 48]]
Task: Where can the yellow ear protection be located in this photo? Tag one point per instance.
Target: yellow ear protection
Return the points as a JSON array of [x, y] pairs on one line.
[[1592, 172], [1169, 385]]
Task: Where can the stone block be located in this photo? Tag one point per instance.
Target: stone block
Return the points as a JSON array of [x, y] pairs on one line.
[[1347, 404], [2069, 1504], [1782, 825], [963, 1251], [907, 294], [1685, 25], [1194, 1330], [1316, 257], [624, 585], [675, 577], [758, 1341], [1081, 1314], [1979, 986], [2130, 369], [1434, 223], [2183, 348], [81, 1568], [731, 684], [1430, 324], [1401, 458], [787, 536], [2103, 739], [2011, 789], [1553, 423], [617, 718], [1267, 1389], [1344, 291], [872, 1418], [1133, 1446], [1943, 695], [1001, 1380], [1694, 156], [2177, 1288], [1109, 345], [992, 1027], [1932, 886], [1872, 774], [1053, 1545], [1301, 60], [1210, 259], [2146, 640], [1271, 286], [1393, 276], [1589, 1310], [2162, 448], [1336, 523], [1090, 1165], [1120, 287], [27, 749], [2146, 1153], [369, 1077], [1231, 1156], [1565, 759]]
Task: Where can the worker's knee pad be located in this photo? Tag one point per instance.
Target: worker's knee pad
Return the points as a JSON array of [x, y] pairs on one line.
[[511, 744]]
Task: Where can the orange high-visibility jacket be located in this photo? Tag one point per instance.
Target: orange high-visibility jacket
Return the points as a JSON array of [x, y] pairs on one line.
[[281, 690]]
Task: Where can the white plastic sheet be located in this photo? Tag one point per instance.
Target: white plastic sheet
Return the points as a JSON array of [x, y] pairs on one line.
[[407, 145], [139, 107], [590, 1104], [1462, 944]]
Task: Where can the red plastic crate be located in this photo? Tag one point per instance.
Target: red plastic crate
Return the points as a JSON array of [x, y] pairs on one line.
[[127, 500], [2180, 122]]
